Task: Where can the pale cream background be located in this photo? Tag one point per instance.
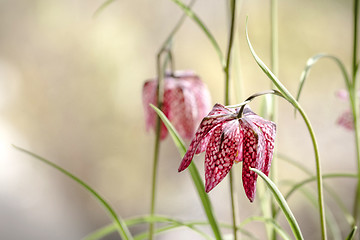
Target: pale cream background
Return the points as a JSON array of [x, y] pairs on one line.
[[70, 90]]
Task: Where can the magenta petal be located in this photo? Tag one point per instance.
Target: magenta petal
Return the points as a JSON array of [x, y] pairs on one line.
[[186, 101], [149, 97], [182, 111], [217, 110], [342, 94], [221, 152], [346, 120], [202, 96], [206, 125], [253, 156], [268, 130]]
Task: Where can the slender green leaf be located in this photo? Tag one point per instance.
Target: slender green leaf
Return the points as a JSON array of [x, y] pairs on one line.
[[176, 28], [101, 232], [282, 203], [328, 189], [330, 218], [120, 224], [312, 179], [287, 95], [270, 221], [346, 213], [194, 174], [108, 229], [294, 163], [352, 234], [102, 7], [197, 20], [311, 62]]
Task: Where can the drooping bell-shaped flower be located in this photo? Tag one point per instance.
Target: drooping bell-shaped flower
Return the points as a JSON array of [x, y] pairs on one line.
[[346, 119], [186, 101], [228, 138]]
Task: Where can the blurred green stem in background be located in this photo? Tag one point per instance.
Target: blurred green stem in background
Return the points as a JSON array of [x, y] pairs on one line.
[[355, 105], [234, 202], [288, 96], [160, 94], [272, 100]]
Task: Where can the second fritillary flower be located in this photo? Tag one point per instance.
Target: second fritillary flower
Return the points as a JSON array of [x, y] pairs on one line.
[[228, 138], [186, 101]]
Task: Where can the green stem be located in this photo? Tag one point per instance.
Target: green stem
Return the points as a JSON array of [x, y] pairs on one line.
[[234, 205], [318, 173], [234, 202], [176, 28], [355, 41], [194, 174], [288, 96], [274, 66], [160, 95], [354, 107], [228, 55]]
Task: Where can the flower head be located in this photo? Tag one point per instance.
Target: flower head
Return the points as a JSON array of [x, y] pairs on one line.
[[186, 101], [346, 119], [228, 138]]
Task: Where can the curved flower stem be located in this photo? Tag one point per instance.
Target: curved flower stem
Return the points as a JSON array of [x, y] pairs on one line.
[[288, 96], [354, 107], [274, 66], [318, 172], [234, 202], [160, 95]]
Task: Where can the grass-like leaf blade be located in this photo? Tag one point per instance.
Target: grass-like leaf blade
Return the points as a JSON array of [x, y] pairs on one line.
[[108, 229], [193, 172], [282, 203], [266, 220], [338, 199], [311, 62], [120, 224]]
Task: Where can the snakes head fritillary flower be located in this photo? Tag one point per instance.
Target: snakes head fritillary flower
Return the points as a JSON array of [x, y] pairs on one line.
[[186, 101], [346, 119], [226, 138]]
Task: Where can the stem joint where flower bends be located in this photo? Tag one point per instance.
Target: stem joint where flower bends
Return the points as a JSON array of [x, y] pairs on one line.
[[249, 99]]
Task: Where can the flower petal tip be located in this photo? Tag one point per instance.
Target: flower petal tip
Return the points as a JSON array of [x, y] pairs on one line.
[[209, 187]]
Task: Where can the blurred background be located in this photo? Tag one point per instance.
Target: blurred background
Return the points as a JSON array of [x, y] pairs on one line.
[[70, 91]]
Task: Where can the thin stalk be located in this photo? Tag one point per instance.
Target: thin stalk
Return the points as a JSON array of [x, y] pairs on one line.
[[176, 28], [274, 66], [234, 202], [318, 174], [355, 41], [355, 106], [228, 54], [288, 96], [234, 205], [160, 95]]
